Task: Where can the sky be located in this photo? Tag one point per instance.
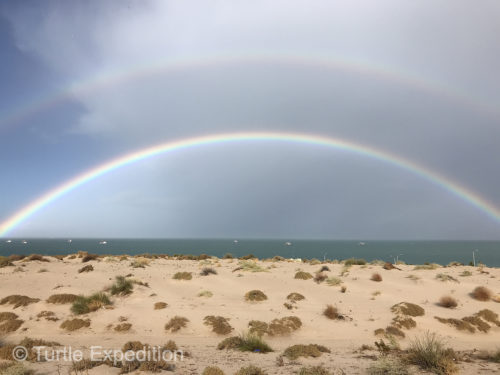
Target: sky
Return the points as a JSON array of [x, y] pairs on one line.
[[83, 82]]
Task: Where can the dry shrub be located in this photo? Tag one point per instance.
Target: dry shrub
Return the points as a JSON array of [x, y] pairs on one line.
[[427, 266], [394, 331], [84, 365], [89, 257], [35, 257], [139, 263], [445, 277], [183, 276], [13, 368], [320, 277], [147, 366], [18, 300], [212, 370], [289, 306], [255, 295], [312, 350], [208, 271], [250, 370], [459, 324], [314, 370], [333, 281], [448, 301], [48, 315], [429, 353], [233, 342], [5, 262], [284, 326], [87, 268], [331, 312], [481, 293], [379, 331], [343, 289], [7, 316], [123, 327], [388, 266], [478, 322], [324, 269], [160, 305], [489, 316], [404, 322], [205, 293], [294, 297], [220, 325], [61, 299], [176, 323], [74, 324], [376, 277], [258, 327], [301, 275], [388, 366], [10, 326], [134, 346], [407, 308]]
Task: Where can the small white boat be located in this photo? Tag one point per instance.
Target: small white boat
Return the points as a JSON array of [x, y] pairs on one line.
[[288, 243], [362, 244], [236, 241], [8, 241], [103, 242], [69, 241], [24, 241]]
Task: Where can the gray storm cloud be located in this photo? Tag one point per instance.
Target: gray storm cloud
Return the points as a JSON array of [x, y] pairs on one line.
[[279, 191]]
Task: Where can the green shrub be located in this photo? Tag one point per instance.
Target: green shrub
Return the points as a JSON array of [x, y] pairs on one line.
[[354, 261], [247, 342], [388, 366], [84, 305], [122, 286], [429, 353]]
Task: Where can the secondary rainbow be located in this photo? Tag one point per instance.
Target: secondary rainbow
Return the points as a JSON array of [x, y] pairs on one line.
[[218, 139], [110, 78]]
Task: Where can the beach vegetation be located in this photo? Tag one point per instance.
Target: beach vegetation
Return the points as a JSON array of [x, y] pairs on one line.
[[205, 293], [413, 277], [465, 273], [212, 370], [258, 327], [208, 271], [489, 316], [294, 297], [354, 261], [220, 325], [394, 331], [7, 316], [61, 299], [376, 277], [248, 257], [84, 305], [160, 305], [10, 325], [15, 368], [445, 277], [404, 322], [246, 342], [48, 315], [388, 366], [407, 308], [312, 350], [481, 293], [5, 262], [74, 324], [121, 287], [454, 264], [320, 277], [140, 263], [255, 296], [176, 323], [426, 266], [459, 324], [17, 300], [250, 266], [429, 353], [343, 289], [284, 326], [448, 302], [35, 257], [250, 370], [228, 256], [331, 312], [123, 327], [314, 370], [86, 268], [324, 269], [183, 276], [89, 257], [301, 275]]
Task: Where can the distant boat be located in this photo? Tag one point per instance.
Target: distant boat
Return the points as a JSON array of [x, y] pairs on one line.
[[103, 242], [236, 241], [288, 243], [69, 241], [362, 244], [24, 241], [8, 241]]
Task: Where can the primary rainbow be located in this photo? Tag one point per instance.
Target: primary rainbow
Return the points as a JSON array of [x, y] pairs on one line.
[[317, 140]]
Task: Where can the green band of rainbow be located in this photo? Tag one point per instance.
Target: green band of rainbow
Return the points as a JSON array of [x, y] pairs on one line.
[[452, 187]]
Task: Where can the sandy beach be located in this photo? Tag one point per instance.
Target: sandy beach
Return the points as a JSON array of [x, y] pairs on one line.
[[362, 302]]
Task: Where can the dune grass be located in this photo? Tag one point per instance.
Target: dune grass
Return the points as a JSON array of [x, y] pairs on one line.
[[220, 325], [183, 276], [429, 353], [121, 287], [75, 324], [255, 296], [84, 305], [312, 350], [176, 323], [250, 370], [301, 275], [205, 293], [61, 299], [17, 300]]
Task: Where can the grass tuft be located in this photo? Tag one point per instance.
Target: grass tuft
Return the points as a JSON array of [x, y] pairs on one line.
[[121, 287], [10, 325], [247, 342], [387, 366], [205, 293], [312, 350], [301, 275], [429, 353], [250, 370], [61, 299], [208, 271], [294, 297], [354, 261], [445, 277], [220, 325], [314, 370], [160, 305], [320, 277], [255, 295], [331, 312], [212, 370], [123, 327], [183, 276], [84, 305], [74, 324], [407, 308], [87, 268]]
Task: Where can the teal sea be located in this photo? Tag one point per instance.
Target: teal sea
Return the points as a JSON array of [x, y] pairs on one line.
[[414, 252]]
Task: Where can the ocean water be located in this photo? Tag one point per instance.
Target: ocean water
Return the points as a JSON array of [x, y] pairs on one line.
[[413, 252]]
